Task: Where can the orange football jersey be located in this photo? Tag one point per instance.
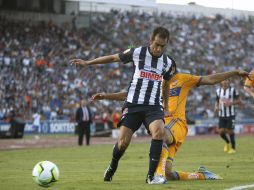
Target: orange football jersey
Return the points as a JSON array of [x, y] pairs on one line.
[[248, 82], [180, 85]]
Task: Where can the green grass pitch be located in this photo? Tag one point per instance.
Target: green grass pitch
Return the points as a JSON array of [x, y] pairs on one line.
[[82, 168]]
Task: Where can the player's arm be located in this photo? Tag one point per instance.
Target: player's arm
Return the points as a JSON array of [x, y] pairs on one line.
[[165, 86], [219, 77], [165, 96], [119, 96], [125, 57], [165, 93], [216, 106], [237, 101], [99, 60]]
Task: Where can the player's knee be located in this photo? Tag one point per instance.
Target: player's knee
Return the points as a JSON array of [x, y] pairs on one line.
[[169, 139], [157, 129], [157, 133]]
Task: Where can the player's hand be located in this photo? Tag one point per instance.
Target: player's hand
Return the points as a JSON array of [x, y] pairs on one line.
[[243, 73], [77, 62], [228, 103], [98, 96]]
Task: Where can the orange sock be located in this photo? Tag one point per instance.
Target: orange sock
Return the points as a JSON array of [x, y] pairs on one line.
[[160, 170], [189, 176]]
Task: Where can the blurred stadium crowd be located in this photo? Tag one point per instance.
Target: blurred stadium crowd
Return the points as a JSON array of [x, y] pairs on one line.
[[35, 74]]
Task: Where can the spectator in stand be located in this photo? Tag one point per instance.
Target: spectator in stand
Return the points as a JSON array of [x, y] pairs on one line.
[[115, 117], [36, 122]]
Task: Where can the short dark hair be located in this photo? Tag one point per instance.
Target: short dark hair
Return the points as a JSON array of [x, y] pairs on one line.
[[162, 32]]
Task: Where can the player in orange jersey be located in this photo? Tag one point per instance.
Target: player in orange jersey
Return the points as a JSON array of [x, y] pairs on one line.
[[176, 129], [249, 84]]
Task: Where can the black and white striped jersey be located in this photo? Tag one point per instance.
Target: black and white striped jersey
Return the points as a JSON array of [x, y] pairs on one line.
[[146, 83], [223, 96]]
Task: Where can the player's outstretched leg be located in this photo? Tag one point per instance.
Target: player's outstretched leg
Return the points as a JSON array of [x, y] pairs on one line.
[[118, 151], [110, 171], [201, 174], [207, 174]]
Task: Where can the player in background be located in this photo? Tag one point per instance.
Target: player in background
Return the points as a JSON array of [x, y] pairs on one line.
[[227, 97], [152, 70], [249, 84], [175, 129]]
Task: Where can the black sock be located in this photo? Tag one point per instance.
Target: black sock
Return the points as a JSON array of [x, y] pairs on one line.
[[232, 139], [155, 152], [117, 154], [224, 137]]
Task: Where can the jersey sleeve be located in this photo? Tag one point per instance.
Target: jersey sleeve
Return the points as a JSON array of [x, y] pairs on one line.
[[191, 81], [127, 55]]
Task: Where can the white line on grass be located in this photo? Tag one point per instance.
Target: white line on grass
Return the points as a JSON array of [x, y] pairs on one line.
[[241, 187]]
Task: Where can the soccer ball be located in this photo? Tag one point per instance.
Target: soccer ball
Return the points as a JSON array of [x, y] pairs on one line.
[[45, 173]]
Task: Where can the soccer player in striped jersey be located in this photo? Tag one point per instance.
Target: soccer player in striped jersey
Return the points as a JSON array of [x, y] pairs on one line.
[[152, 70], [227, 98], [175, 129], [249, 84]]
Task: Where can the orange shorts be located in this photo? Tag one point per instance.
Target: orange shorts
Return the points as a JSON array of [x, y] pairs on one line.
[[179, 130]]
